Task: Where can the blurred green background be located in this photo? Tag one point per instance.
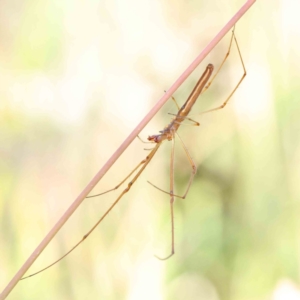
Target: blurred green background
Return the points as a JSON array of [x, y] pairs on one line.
[[77, 77]]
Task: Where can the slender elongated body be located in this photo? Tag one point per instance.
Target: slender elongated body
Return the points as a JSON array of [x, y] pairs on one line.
[[168, 132]]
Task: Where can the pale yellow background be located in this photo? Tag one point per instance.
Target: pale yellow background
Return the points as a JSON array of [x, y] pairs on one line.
[[76, 77]]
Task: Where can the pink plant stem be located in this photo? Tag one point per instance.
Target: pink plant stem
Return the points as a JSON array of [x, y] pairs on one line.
[[122, 148]]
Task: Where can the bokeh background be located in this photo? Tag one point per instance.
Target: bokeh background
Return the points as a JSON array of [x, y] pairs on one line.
[[76, 78]]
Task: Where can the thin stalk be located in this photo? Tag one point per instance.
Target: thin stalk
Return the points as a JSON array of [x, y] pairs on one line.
[[122, 148]]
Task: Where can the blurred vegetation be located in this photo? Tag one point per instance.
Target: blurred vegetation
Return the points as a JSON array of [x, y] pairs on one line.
[[76, 77]]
